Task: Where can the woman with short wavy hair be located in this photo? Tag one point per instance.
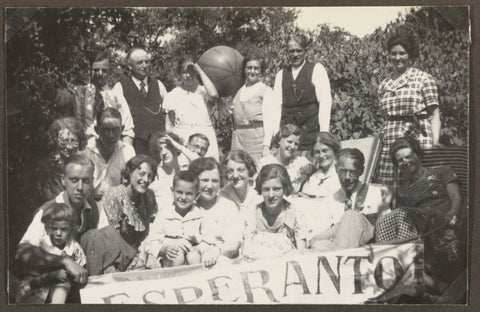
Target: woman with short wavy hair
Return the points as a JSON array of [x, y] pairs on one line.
[[240, 170], [126, 212], [66, 137], [284, 152]]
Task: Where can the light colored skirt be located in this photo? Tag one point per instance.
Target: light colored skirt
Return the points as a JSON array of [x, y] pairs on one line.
[[249, 140]]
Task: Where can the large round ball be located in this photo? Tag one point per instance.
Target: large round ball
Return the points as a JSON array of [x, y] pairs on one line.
[[223, 65]]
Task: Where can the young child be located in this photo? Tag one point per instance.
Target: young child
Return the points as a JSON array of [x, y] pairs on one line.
[[176, 231], [60, 222], [190, 105]]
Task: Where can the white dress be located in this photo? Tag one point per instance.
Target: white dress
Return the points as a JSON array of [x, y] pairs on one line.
[[192, 115]]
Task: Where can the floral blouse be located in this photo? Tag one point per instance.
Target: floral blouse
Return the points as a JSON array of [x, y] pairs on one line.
[[261, 239], [132, 220]]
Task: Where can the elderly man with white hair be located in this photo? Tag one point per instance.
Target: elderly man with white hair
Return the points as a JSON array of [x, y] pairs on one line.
[[144, 95]]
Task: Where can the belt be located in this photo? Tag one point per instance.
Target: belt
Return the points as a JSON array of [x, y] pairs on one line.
[[410, 118], [251, 125]]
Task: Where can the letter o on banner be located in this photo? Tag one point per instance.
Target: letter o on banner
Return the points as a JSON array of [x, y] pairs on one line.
[[382, 266]]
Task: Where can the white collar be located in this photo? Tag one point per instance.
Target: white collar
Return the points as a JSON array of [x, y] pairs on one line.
[[138, 81]]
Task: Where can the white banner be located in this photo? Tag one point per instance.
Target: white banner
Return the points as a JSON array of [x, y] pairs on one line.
[[349, 276]]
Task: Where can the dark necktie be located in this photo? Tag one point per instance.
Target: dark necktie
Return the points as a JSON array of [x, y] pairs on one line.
[[348, 201], [143, 91]]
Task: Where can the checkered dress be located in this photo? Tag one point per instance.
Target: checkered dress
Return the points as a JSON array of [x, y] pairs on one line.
[[423, 207], [412, 93]]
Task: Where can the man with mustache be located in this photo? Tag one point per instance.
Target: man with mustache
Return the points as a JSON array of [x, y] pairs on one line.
[[144, 95]]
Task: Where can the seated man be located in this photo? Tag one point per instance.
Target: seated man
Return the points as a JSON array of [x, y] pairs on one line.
[[197, 143], [356, 205], [107, 152], [78, 179]]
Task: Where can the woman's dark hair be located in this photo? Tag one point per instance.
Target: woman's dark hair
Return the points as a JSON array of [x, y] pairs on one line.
[[59, 212], [327, 139], [134, 163], [407, 41], [284, 132], [254, 56], [154, 144], [301, 39], [405, 142], [274, 171], [199, 165], [73, 125], [241, 157], [108, 112]]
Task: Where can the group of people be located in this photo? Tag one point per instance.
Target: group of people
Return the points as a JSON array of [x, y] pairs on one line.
[[136, 181]]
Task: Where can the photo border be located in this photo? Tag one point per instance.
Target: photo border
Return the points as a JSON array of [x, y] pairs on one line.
[[474, 118]]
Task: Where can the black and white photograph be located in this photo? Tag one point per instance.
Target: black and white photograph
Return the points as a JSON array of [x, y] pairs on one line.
[[238, 155]]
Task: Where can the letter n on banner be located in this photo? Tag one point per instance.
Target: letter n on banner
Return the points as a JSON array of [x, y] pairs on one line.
[[334, 278]]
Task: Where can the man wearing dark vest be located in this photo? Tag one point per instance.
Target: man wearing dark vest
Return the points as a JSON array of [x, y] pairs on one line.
[[303, 89], [144, 95]]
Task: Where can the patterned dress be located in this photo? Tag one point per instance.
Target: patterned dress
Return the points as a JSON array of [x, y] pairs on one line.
[[263, 240], [423, 207], [413, 93], [115, 245]]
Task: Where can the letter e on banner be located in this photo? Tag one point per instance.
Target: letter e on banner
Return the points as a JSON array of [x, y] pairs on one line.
[[113, 298], [214, 287]]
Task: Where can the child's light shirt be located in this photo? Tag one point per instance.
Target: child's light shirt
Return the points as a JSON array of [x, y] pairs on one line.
[[72, 249], [170, 224]]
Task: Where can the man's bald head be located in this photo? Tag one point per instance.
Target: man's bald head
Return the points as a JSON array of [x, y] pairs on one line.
[[138, 63]]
